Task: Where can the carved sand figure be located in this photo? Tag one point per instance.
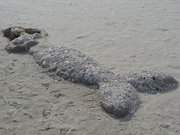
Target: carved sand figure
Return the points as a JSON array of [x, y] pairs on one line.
[[118, 96]]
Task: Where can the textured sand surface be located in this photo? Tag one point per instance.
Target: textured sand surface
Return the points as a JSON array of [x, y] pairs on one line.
[[123, 35]]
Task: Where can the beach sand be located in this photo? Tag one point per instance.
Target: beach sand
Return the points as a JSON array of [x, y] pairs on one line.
[[123, 35]]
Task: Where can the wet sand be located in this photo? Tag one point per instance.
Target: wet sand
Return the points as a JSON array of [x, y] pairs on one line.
[[125, 36]]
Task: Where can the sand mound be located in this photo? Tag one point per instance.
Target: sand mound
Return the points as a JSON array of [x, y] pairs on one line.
[[119, 99], [21, 39], [152, 82]]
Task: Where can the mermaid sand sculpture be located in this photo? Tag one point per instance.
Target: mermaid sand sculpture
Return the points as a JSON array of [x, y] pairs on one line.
[[118, 95]]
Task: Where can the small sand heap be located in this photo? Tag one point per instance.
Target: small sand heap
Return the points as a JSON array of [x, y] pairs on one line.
[[152, 82], [21, 39]]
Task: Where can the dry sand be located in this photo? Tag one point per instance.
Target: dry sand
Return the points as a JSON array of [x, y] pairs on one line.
[[123, 35]]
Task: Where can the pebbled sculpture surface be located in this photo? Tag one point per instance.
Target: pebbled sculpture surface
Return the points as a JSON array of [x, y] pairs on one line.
[[118, 95]]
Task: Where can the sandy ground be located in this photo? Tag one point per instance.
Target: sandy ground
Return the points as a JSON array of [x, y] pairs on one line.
[[123, 35]]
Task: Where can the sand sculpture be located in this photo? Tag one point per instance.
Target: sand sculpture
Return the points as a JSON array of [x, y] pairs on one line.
[[117, 95]]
